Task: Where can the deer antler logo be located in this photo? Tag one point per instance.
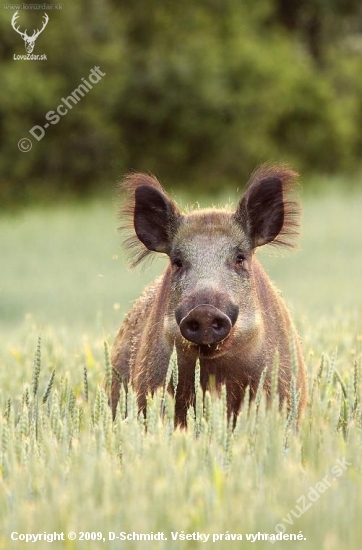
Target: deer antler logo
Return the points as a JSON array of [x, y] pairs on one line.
[[29, 40]]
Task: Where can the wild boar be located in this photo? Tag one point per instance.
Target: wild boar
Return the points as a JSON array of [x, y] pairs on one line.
[[214, 300]]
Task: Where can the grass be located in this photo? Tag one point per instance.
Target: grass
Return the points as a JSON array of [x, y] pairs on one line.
[[66, 467]]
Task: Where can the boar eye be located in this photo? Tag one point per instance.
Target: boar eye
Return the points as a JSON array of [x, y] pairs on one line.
[[177, 262], [240, 260]]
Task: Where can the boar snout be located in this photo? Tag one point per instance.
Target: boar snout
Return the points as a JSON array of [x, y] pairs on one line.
[[205, 324]]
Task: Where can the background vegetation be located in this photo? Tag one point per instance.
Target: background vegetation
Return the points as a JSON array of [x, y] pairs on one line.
[[197, 92]]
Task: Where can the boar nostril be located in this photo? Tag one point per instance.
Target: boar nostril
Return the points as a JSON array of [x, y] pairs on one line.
[[194, 326], [217, 324], [205, 324]]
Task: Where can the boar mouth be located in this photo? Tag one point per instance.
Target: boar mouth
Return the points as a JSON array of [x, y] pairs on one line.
[[211, 350]]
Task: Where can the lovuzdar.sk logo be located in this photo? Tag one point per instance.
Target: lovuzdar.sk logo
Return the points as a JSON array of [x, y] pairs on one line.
[[28, 40]]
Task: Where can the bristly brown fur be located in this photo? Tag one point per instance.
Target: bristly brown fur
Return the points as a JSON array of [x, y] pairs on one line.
[[292, 209], [136, 250]]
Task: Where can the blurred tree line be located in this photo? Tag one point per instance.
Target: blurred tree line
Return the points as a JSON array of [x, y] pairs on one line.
[[198, 93]]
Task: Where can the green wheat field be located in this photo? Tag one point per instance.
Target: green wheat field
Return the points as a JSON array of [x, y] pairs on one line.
[[65, 467]]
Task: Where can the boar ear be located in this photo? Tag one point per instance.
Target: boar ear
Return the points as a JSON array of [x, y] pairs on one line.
[[151, 214], [266, 211], [154, 218]]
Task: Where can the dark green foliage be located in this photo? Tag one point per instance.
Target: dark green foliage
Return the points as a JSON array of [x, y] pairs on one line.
[[194, 92], [315, 21]]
